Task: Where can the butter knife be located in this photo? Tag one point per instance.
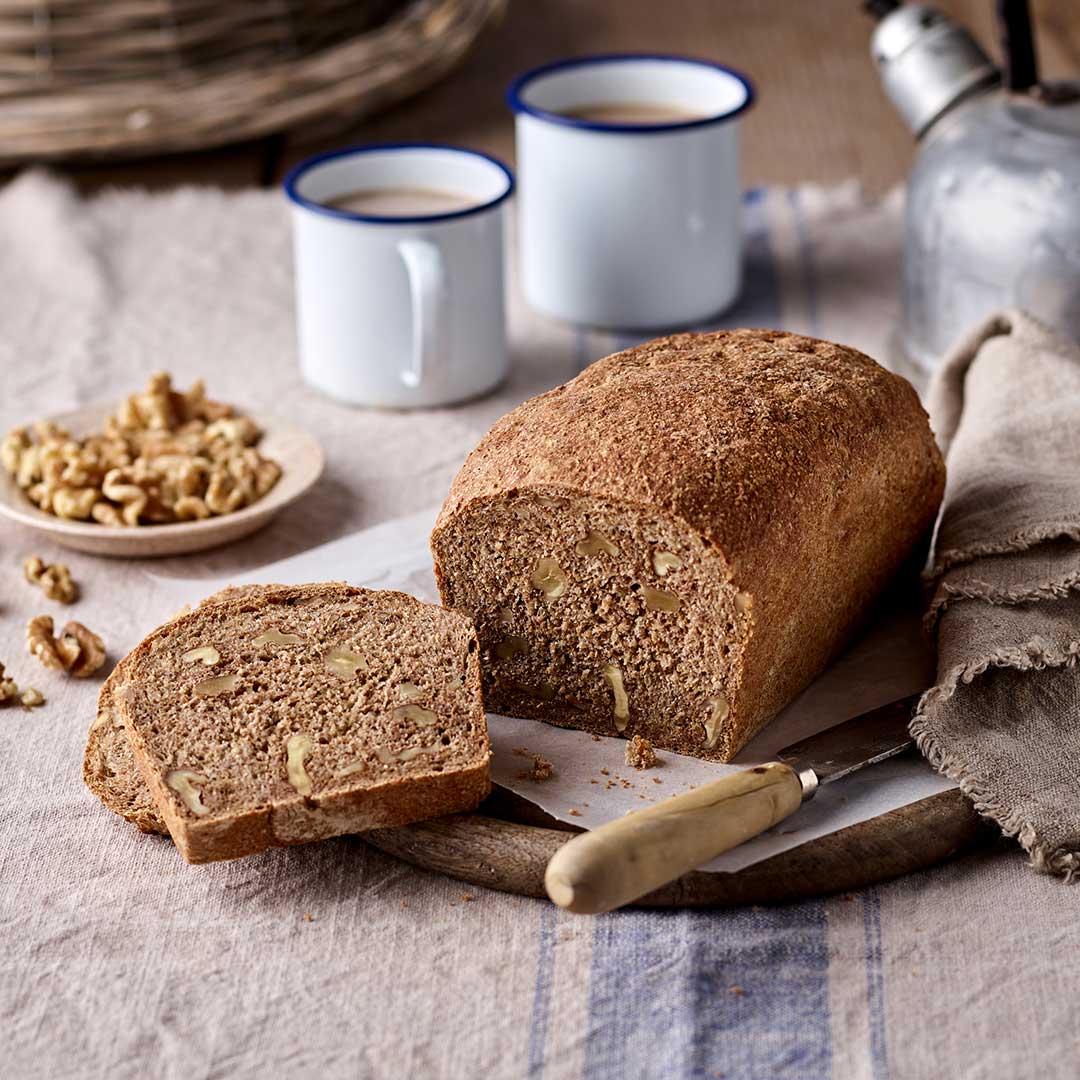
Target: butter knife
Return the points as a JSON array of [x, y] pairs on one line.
[[619, 862]]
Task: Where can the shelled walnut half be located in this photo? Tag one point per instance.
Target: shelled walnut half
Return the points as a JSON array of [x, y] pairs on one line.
[[164, 457], [78, 651], [54, 579]]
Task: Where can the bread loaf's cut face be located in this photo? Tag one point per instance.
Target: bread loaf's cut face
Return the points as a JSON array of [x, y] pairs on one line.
[[599, 615], [305, 713]]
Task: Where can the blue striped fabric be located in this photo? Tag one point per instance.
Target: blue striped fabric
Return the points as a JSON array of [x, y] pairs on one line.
[[739, 994], [875, 982], [545, 965]]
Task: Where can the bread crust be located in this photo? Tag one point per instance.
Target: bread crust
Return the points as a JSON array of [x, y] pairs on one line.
[[348, 806], [808, 468], [109, 768]]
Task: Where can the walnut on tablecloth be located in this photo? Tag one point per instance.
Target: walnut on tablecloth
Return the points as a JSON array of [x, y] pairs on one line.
[[54, 579], [164, 456], [9, 689], [30, 698], [77, 650]]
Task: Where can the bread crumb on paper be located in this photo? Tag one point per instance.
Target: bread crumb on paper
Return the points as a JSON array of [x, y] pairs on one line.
[[640, 753], [541, 770]]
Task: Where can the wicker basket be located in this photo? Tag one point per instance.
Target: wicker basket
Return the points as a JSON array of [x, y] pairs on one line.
[[108, 78]]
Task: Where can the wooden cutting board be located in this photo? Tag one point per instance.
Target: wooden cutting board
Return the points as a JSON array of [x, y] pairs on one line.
[[507, 846]]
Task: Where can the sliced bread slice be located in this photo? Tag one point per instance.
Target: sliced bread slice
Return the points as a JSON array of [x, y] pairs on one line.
[[304, 713], [109, 768]]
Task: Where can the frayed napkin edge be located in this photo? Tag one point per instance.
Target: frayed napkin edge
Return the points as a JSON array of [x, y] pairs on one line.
[[948, 594], [1023, 540], [1036, 655]]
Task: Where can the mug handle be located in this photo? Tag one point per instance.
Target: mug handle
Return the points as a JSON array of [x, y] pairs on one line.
[[427, 288]]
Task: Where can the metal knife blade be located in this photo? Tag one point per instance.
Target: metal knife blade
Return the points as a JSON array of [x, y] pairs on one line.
[[864, 740]]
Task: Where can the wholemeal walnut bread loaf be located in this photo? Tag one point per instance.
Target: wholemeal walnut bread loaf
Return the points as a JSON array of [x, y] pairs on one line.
[[109, 768], [677, 541], [302, 713]]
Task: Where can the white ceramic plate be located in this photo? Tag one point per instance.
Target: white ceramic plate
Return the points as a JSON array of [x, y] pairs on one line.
[[297, 452]]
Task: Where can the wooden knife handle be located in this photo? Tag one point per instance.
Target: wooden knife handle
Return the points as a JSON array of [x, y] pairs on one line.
[[604, 868]]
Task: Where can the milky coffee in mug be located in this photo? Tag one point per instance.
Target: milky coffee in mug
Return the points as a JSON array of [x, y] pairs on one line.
[[632, 113], [401, 201]]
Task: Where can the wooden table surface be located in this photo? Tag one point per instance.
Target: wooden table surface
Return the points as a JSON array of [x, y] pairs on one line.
[[821, 114]]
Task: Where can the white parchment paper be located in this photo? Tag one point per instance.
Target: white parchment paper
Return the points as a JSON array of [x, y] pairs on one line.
[[591, 784]]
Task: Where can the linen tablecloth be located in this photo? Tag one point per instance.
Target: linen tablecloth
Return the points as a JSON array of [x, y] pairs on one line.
[[332, 959]]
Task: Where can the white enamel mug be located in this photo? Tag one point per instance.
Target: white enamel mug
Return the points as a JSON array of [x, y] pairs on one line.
[[400, 311], [630, 225]]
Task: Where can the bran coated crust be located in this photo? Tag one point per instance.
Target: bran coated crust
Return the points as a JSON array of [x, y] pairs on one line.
[[806, 467]]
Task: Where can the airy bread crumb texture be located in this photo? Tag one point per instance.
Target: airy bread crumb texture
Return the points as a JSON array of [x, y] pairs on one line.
[[279, 745]]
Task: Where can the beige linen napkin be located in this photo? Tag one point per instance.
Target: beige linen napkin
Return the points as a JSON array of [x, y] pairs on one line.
[[1004, 717]]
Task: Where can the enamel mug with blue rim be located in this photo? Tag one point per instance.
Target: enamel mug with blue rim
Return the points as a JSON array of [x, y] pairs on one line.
[[629, 193], [395, 307]]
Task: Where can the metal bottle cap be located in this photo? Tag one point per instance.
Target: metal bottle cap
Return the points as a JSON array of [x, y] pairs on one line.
[[927, 63]]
